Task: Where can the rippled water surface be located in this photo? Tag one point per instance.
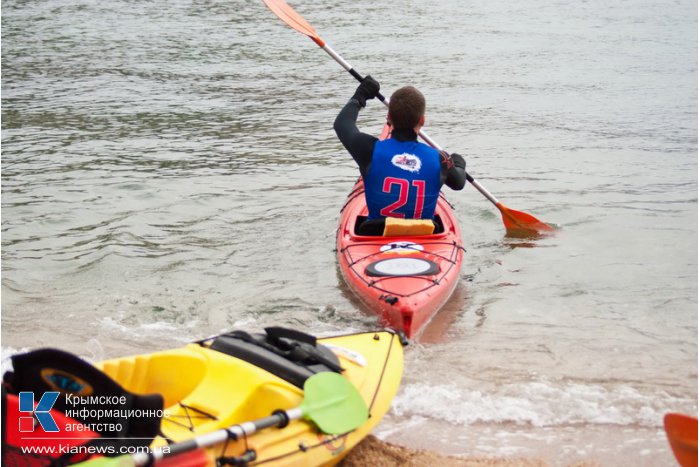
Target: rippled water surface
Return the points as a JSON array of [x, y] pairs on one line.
[[169, 170]]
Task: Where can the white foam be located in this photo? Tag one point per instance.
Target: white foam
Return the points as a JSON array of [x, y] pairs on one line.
[[6, 353], [540, 404], [242, 323], [386, 430], [175, 332]]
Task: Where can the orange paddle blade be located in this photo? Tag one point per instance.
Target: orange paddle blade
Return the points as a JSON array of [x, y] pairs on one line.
[[386, 132], [293, 19], [520, 223], [682, 432]]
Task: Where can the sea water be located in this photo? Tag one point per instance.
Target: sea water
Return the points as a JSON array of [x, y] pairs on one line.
[[169, 171]]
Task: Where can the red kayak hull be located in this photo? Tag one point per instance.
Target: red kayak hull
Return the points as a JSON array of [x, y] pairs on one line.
[[403, 300]]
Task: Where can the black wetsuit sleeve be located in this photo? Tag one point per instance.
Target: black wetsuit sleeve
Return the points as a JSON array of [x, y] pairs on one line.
[[359, 145], [452, 170]]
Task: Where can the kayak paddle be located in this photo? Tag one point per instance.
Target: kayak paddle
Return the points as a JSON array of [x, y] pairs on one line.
[[517, 223], [331, 403], [682, 433]]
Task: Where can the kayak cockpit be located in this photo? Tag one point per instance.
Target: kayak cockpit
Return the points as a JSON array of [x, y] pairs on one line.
[[377, 227]]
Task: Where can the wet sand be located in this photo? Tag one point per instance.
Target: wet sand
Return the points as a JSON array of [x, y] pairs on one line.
[[374, 452]]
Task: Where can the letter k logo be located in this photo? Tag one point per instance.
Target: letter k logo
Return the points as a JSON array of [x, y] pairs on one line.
[[41, 412]]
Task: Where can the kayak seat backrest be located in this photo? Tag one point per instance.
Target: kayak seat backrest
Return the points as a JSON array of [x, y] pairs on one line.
[[290, 355], [394, 227], [377, 227], [83, 389], [156, 373]]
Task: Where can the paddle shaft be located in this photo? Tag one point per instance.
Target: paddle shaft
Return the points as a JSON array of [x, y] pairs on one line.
[[216, 437], [349, 68]]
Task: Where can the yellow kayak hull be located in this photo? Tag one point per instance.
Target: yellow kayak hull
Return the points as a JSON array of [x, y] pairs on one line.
[[205, 390]]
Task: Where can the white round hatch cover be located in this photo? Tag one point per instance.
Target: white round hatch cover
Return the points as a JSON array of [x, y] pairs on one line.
[[403, 267]]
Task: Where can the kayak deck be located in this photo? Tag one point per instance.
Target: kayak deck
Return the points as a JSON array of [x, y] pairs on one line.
[[224, 381], [404, 279]]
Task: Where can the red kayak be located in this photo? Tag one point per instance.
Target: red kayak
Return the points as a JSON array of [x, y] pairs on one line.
[[405, 278]]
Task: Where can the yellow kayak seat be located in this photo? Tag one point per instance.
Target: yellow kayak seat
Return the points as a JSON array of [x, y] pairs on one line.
[[394, 227]]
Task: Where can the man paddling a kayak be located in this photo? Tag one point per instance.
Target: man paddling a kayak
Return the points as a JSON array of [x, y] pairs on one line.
[[402, 176]]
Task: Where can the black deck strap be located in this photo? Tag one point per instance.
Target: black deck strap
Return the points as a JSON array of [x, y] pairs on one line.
[[291, 360], [296, 351], [276, 332], [246, 458], [230, 435], [244, 336], [301, 354], [249, 456]]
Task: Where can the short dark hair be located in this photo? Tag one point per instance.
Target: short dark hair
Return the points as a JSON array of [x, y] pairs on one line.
[[406, 107]]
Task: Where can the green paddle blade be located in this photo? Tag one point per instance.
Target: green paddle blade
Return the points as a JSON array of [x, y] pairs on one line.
[[333, 403], [122, 461]]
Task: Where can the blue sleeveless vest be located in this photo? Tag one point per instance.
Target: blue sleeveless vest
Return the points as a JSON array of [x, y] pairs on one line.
[[403, 180]]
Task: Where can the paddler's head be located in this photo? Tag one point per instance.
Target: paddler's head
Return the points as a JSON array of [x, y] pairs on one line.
[[407, 109]]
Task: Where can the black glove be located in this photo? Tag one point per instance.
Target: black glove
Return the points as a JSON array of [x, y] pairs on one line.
[[455, 179], [368, 89], [458, 161], [453, 160]]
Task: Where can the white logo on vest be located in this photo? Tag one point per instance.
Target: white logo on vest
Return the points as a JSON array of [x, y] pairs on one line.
[[406, 161]]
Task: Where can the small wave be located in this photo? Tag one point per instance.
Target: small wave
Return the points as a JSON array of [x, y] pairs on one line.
[[177, 332], [539, 404]]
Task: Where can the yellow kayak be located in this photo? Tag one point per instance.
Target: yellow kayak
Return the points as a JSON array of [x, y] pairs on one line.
[[219, 382]]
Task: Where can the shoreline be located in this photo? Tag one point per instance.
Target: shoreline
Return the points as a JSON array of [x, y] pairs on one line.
[[563, 446], [377, 453]]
